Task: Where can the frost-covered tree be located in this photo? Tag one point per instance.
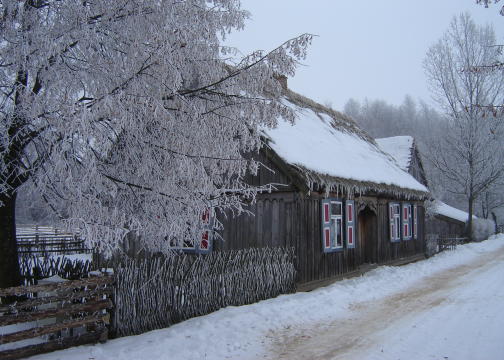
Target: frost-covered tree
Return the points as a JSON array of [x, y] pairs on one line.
[[487, 2], [469, 153], [131, 114]]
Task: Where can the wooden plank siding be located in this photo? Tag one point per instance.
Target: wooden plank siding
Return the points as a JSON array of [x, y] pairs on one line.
[[292, 219]]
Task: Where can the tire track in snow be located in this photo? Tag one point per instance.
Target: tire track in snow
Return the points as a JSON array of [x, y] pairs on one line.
[[365, 321]]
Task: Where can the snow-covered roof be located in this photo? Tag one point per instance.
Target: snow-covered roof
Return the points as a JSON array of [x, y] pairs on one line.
[[440, 208], [331, 145], [399, 147]]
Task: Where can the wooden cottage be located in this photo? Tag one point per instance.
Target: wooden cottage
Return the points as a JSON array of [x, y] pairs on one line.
[[443, 219], [339, 200]]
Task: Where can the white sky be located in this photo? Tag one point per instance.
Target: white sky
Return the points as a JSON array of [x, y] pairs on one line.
[[365, 48]]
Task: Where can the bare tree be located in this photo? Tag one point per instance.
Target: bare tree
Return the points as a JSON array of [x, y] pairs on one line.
[[469, 153], [131, 114], [487, 2]]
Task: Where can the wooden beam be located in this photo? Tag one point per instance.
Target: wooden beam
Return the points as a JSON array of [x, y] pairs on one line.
[[57, 287], [58, 344], [91, 306], [51, 328], [55, 299]]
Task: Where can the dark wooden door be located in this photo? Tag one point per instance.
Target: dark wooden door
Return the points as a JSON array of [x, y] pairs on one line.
[[367, 236]]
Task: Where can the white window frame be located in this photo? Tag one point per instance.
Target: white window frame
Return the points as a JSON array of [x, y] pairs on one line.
[[407, 223], [337, 222], [396, 220]]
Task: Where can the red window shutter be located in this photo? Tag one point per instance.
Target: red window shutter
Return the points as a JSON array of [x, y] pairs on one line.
[[350, 235], [327, 238], [204, 243], [350, 212], [326, 213], [205, 217]]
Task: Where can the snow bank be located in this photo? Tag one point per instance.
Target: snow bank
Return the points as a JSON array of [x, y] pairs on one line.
[[244, 332], [482, 229], [316, 145], [400, 149]]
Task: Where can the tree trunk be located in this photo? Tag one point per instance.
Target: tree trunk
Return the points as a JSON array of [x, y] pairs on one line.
[[9, 263], [470, 219], [494, 217]]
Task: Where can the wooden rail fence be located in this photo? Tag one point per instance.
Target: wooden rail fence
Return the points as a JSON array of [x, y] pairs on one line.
[[54, 316], [46, 240]]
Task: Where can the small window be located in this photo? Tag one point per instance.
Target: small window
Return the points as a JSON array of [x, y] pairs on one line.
[[415, 221], [395, 221], [201, 245], [337, 223], [407, 222], [336, 208], [333, 225]]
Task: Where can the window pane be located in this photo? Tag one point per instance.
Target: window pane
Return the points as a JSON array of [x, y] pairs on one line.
[[336, 208], [339, 235]]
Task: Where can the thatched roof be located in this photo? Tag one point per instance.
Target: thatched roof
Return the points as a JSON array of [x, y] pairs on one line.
[[330, 152]]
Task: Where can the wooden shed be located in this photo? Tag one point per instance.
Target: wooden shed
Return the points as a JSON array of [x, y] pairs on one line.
[[445, 220], [339, 200]]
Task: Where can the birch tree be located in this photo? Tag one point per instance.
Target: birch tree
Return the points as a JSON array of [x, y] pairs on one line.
[[469, 153], [132, 114]]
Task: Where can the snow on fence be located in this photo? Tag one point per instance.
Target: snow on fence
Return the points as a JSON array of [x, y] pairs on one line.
[[156, 293], [53, 316], [46, 240]]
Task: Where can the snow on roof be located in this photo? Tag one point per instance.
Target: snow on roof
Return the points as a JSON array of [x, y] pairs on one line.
[[441, 208], [321, 142], [399, 147]]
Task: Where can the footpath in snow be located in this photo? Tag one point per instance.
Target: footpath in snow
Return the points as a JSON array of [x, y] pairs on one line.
[[450, 306]]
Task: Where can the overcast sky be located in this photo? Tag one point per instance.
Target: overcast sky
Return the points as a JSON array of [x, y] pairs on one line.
[[365, 48]]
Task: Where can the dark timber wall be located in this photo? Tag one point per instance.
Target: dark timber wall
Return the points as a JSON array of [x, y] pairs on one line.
[[441, 225], [292, 219]]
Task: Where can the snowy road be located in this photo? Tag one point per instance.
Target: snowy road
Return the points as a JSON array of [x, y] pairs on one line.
[[455, 314], [450, 306]]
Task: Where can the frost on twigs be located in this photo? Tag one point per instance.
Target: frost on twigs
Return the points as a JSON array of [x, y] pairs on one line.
[[125, 113]]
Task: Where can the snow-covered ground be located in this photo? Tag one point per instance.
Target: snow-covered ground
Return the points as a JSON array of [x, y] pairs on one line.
[[450, 306]]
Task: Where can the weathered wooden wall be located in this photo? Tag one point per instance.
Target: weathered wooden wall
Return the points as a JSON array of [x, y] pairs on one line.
[[387, 250], [444, 226], [292, 219]]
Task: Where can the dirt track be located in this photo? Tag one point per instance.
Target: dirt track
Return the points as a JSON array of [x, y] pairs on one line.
[[343, 338]]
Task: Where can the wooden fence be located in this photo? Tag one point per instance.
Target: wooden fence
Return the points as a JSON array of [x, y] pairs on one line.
[[34, 268], [54, 316], [437, 243], [46, 240], [450, 242], [156, 293]]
